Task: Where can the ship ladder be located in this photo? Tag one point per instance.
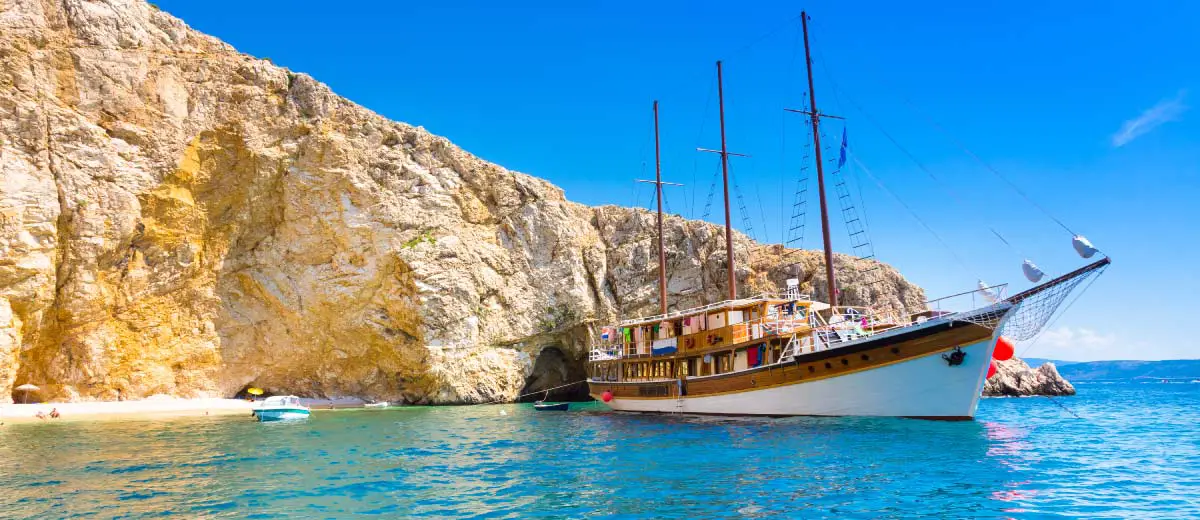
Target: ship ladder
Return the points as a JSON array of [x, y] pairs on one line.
[[791, 350], [678, 397]]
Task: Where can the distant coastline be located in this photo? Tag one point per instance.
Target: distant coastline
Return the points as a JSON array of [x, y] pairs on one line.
[[1124, 370]]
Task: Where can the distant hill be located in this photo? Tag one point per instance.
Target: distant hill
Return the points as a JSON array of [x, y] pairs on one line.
[[1129, 370], [1034, 362]]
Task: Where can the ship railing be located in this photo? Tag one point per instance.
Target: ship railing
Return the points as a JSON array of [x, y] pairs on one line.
[[681, 313], [605, 354], [849, 323], [969, 300]]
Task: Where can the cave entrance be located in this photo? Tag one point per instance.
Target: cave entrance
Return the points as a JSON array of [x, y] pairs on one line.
[[555, 368], [245, 395]]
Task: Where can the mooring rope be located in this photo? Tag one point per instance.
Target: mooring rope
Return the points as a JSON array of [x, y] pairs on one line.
[[498, 401]]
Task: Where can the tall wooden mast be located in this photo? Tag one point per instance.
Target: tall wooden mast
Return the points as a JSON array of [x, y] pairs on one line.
[[815, 116], [662, 250], [725, 153], [658, 185], [725, 183]]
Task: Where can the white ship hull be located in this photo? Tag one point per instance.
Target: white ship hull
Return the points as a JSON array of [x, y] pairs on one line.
[[923, 387]]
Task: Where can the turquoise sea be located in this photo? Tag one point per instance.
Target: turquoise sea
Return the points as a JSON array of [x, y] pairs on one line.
[[1134, 452]]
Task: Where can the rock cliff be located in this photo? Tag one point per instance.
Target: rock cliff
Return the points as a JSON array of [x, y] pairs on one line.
[[180, 218], [1014, 378]]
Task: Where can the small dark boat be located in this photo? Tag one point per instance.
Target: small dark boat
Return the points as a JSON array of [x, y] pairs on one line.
[[543, 406]]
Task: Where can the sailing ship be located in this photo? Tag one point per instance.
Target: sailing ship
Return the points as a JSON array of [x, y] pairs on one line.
[[789, 354]]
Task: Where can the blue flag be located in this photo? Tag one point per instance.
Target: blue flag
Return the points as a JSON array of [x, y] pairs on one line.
[[842, 155]]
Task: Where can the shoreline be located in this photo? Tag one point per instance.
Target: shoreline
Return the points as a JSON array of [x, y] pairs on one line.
[[153, 408], [115, 410]]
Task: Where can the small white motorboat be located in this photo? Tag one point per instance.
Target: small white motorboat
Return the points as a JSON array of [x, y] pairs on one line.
[[281, 408], [381, 404]]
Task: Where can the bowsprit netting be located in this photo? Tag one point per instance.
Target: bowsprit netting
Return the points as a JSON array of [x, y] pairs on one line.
[[1029, 311], [1035, 307]]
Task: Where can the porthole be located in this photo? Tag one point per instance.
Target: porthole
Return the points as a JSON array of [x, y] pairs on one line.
[[827, 365], [895, 350], [845, 361], [812, 368], [866, 357]]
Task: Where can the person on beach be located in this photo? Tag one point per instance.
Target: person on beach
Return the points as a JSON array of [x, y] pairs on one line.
[[54, 413], [40, 415]]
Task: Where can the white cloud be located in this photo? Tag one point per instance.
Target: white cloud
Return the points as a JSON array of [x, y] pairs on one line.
[[1165, 111], [1078, 344], [1080, 337]]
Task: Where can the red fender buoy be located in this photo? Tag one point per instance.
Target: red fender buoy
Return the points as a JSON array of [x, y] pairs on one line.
[[991, 369], [606, 396], [1004, 349]]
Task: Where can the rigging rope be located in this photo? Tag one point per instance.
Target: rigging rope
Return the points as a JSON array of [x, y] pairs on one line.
[[498, 401], [910, 211], [712, 190], [696, 157], [737, 192], [921, 166], [986, 165], [942, 184], [799, 216], [957, 143], [860, 239], [788, 84]]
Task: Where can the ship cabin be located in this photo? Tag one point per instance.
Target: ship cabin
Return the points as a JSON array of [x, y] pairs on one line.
[[725, 337]]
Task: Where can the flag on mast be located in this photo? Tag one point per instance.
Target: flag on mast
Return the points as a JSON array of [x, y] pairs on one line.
[[842, 154]]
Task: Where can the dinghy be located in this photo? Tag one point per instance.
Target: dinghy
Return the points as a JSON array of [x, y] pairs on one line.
[[542, 406]]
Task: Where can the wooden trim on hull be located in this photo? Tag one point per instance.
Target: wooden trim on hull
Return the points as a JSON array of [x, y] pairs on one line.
[[816, 366]]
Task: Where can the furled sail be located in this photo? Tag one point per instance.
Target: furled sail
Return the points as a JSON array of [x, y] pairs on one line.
[[1032, 272], [988, 293], [1083, 246]]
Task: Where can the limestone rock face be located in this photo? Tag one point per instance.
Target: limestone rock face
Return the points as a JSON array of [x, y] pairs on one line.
[[179, 218], [1014, 378]]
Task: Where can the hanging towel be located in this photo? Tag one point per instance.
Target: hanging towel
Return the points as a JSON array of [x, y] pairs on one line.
[[752, 357]]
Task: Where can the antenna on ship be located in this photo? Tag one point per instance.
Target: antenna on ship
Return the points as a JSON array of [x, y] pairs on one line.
[[662, 250], [725, 153], [815, 116]]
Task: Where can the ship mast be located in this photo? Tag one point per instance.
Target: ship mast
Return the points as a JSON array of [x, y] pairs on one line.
[[815, 117], [725, 184], [725, 153], [662, 250], [658, 185]]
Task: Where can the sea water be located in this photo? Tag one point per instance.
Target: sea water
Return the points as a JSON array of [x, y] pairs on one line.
[[1133, 451]]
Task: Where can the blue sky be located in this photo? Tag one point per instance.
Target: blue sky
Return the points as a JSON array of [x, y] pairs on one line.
[[1088, 110]]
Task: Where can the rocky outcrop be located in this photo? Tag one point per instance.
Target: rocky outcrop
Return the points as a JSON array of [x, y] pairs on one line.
[[179, 218], [1014, 378]]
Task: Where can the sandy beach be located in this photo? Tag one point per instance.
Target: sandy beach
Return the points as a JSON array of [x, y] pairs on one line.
[[152, 408], [110, 410]]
